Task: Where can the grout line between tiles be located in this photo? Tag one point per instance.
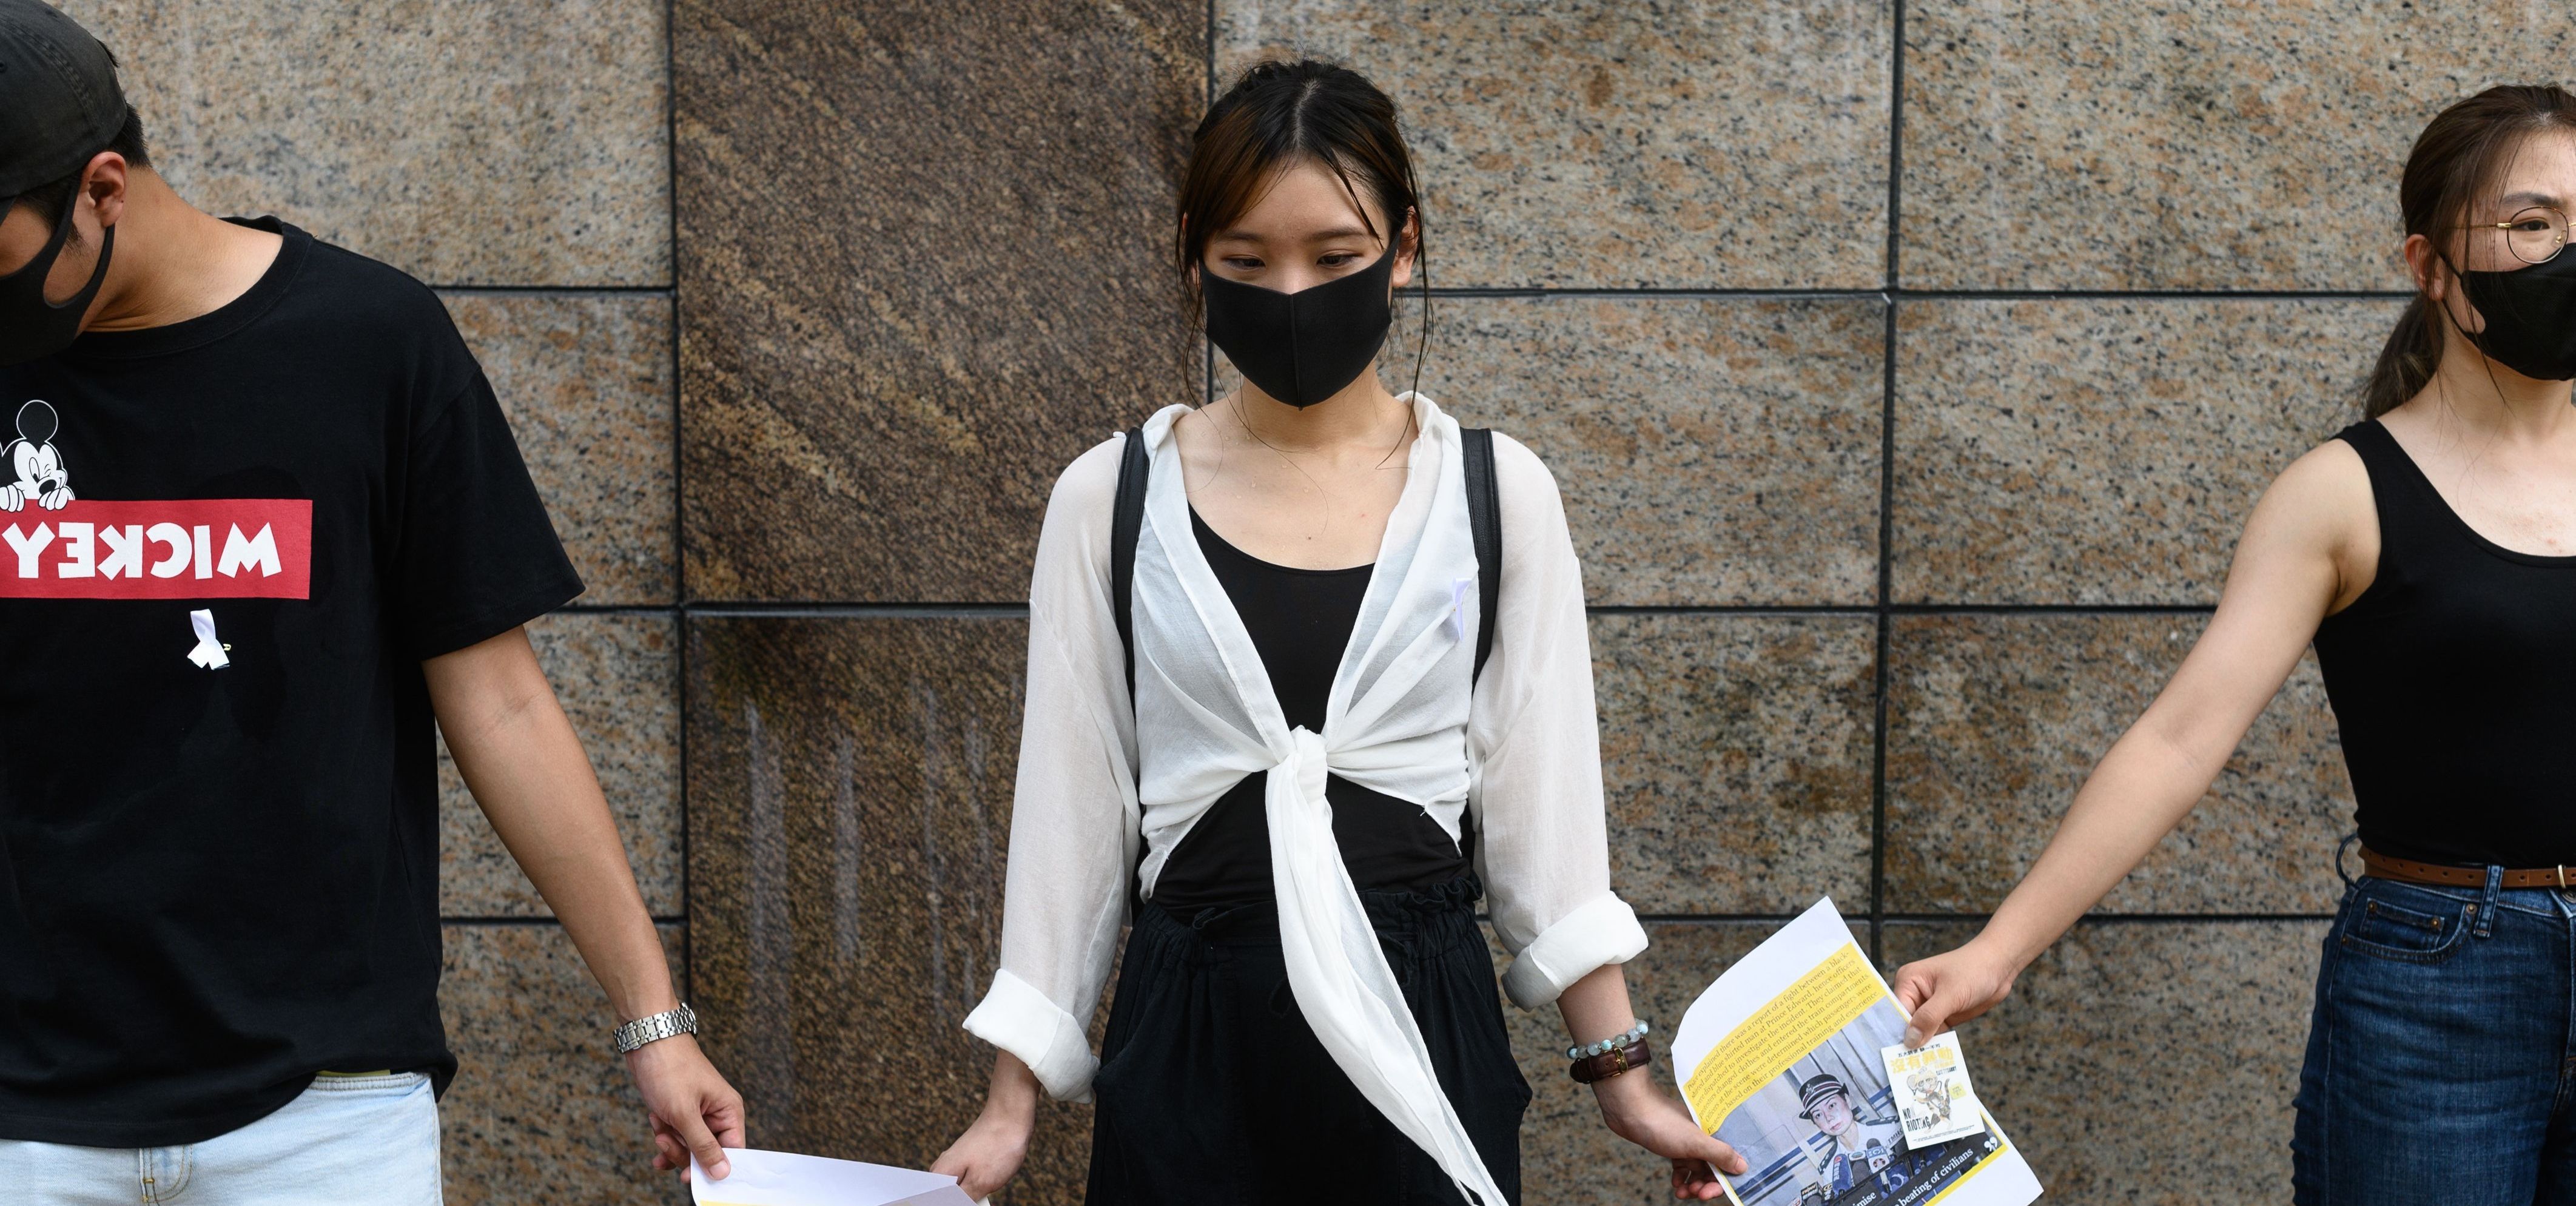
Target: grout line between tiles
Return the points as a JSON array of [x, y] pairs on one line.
[[1891, 289], [2098, 918], [507, 922], [829, 609], [1900, 919], [687, 971], [562, 290], [1885, 621]]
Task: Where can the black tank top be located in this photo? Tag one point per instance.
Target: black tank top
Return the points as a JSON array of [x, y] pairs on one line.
[[1300, 620], [2453, 680]]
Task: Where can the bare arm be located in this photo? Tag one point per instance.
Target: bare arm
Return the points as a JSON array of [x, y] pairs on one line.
[[1595, 1008], [2307, 550], [518, 754], [989, 1153]]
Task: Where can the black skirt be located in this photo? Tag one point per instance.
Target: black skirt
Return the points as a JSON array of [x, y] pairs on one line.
[[1212, 1089]]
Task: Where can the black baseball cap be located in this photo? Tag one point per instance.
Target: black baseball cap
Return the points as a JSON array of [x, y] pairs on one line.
[[59, 99]]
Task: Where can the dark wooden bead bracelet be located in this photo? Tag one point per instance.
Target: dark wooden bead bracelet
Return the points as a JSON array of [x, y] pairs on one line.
[[1614, 1062]]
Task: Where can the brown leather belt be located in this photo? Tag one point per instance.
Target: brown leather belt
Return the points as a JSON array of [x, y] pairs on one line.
[[2409, 871]]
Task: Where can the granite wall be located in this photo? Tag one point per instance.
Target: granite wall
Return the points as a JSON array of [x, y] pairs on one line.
[[1908, 367]]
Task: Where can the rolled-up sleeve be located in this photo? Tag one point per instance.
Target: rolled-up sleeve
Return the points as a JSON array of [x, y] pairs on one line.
[[1074, 825], [1542, 835]]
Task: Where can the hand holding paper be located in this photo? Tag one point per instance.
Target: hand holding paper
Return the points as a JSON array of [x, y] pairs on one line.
[[1953, 987], [1786, 1059], [762, 1178]]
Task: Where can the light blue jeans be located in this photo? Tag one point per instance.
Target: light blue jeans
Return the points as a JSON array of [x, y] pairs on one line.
[[348, 1139]]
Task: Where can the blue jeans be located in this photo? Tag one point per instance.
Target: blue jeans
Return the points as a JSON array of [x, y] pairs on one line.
[[2439, 1062], [370, 1139]]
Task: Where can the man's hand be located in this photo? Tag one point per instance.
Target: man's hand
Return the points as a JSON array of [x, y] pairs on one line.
[[694, 1111], [1638, 1112]]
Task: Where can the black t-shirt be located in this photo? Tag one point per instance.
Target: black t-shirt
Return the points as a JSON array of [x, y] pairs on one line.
[[226, 546], [1300, 621]]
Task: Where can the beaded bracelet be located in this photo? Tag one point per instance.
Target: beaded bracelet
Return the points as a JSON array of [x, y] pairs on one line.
[[1605, 1046]]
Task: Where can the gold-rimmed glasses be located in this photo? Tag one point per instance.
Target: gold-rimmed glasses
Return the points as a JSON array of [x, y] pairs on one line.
[[2535, 235]]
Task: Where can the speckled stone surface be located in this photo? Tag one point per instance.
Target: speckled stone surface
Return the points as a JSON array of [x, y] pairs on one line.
[[1736, 753], [2197, 144], [2105, 451], [542, 1109], [1995, 720], [619, 679], [2147, 1063], [517, 144], [850, 789], [586, 381], [1604, 145], [1567, 1155], [881, 380], [1709, 451]]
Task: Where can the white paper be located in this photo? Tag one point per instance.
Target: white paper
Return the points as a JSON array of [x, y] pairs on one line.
[[1823, 1130], [760, 1178]]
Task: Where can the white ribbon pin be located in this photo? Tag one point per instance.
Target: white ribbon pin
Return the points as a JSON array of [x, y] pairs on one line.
[[209, 652]]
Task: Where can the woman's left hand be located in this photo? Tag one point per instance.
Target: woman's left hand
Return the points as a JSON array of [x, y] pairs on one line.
[[1639, 1112]]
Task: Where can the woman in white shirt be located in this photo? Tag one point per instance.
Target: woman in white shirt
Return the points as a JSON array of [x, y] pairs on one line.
[[1316, 772]]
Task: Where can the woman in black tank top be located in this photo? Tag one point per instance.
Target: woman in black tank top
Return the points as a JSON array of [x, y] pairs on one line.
[[2429, 553]]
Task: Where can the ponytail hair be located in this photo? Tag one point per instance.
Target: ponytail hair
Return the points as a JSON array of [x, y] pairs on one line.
[[2459, 157], [2406, 361]]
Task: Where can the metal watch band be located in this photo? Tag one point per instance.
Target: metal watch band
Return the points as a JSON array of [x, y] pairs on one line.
[[656, 1027]]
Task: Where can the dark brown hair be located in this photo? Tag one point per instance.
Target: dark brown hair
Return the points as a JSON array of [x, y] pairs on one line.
[[2461, 156], [1279, 114]]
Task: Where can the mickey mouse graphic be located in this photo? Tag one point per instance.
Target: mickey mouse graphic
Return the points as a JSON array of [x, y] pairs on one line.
[[36, 465]]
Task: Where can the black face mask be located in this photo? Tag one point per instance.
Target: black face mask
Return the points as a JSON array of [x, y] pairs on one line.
[[2531, 317], [31, 327], [1301, 347]]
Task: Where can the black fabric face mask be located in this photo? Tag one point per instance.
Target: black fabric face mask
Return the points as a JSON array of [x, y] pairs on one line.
[[32, 328], [1301, 347], [2531, 317]]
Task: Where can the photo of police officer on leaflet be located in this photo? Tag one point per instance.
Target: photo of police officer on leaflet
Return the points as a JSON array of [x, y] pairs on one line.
[[1846, 1150]]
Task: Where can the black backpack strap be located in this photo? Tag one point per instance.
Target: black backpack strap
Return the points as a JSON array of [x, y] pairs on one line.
[[1126, 526], [1485, 523]]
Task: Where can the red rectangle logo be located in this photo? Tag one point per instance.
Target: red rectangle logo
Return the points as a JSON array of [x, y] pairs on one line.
[[233, 548]]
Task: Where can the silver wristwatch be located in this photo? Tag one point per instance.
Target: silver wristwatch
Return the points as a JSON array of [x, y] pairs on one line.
[[656, 1027]]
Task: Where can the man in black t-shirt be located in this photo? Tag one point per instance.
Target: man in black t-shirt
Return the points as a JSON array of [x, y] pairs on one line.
[[261, 527]]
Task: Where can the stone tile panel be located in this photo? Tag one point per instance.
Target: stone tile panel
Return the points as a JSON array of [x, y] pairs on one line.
[[618, 677], [2192, 1033], [1710, 451], [586, 381], [2193, 145], [1995, 720], [481, 144], [882, 376], [851, 786], [1737, 756], [2105, 451], [1606, 145], [541, 1097]]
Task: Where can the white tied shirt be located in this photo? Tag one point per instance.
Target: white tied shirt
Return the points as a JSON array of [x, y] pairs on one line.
[[1521, 750]]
